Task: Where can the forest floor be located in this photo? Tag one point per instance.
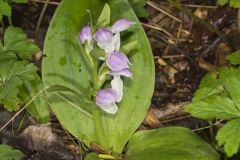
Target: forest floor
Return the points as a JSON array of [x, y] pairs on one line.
[[184, 50]]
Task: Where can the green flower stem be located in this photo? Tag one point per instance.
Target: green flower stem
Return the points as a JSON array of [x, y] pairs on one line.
[[99, 129], [102, 81], [91, 20], [102, 71], [92, 66]]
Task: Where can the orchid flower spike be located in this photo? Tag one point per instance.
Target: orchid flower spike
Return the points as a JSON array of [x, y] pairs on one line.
[[118, 64], [85, 35], [106, 99]]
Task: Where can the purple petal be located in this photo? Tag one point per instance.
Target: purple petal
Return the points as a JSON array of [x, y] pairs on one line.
[[85, 34], [121, 25], [106, 96], [103, 35], [117, 61], [125, 72]]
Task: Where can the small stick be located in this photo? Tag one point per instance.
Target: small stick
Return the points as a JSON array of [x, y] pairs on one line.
[[39, 1], [179, 33], [157, 28], [164, 12], [175, 119], [40, 19], [193, 5], [215, 124]]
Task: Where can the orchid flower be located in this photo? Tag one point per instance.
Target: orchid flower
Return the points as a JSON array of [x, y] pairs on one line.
[[109, 39], [106, 100], [119, 64], [106, 40], [85, 37]]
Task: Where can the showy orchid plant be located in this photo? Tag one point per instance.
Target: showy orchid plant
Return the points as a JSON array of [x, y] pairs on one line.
[[86, 101], [108, 39]]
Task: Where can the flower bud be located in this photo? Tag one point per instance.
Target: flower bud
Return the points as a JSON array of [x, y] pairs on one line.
[[121, 25], [85, 35]]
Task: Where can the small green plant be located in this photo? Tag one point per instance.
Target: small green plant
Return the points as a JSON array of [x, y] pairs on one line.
[[19, 80], [8, 153], [5, 8], [232, 3], [218, 97]]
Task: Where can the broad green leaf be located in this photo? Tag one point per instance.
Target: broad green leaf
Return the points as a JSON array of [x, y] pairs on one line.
[[230, 78], [171, 143], [228, 136], [8, 153], [5, 9], [139, 7], [15, 40], [60, 42], [104, 18], [234, 58], [213, 107]]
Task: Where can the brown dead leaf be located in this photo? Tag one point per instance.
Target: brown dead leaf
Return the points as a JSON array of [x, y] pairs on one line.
[[40, 135], [151, 119], [171, 110]]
